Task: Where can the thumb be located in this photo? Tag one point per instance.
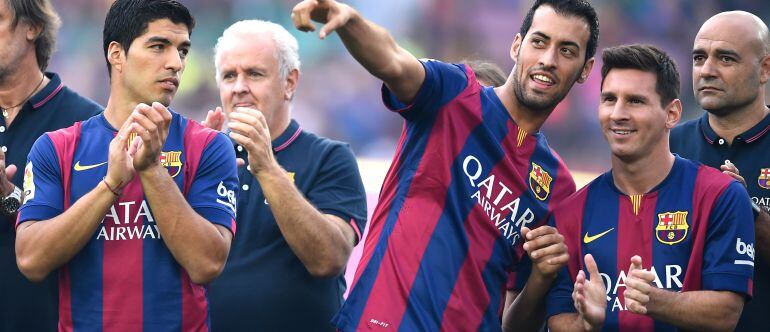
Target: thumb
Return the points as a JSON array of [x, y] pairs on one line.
[[239, 162], [636, 263], [10, 171], [593, 269], [524, 231]]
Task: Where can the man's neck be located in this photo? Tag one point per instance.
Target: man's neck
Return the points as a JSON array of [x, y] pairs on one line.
[[21, 82], [118, 109], [642, 175], [529, 120], [738, 121]]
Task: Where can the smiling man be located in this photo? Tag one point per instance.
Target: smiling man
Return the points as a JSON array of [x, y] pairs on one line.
[[135, 220], [668, 242], [472, 175], [302, 206]]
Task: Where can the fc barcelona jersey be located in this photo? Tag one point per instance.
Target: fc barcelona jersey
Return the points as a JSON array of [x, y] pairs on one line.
[[125, 278], [695, 231], [446, 231]]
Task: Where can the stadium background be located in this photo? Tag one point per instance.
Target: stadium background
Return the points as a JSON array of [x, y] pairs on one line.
[[337, 98]]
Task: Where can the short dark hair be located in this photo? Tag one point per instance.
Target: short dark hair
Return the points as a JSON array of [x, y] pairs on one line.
[[128, 19], [38, 13], [486, 71], [577, 8], [646, 58]]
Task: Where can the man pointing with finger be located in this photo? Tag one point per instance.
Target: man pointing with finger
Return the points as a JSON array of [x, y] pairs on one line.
[[472, 174], [136, 221]]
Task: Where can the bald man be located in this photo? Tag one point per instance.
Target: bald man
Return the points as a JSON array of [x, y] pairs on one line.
[[731, 66]]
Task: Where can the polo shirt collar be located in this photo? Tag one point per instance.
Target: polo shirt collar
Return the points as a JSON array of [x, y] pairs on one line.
[[287, 137], [754, 133], [49, 91]]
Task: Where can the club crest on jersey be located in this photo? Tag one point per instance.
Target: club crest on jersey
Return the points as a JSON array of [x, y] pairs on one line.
[[764, 178], [172, 161], [672, 227], [540, 182], [29, 182]]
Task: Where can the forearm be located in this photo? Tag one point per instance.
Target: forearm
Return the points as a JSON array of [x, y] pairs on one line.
[[376, 50], [762, 234], [196, 244], [317, 241], [527, 312], [696, 310], [567, 322], [43, 246]]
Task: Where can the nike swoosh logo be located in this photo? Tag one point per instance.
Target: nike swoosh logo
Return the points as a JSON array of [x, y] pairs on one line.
[[588, 239], [80, 168]]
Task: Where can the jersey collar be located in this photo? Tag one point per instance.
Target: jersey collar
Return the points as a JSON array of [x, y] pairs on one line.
[[49, 91], [287, 137], [758, 131]]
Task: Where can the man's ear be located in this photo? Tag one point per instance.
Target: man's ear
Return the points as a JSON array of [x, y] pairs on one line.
[[116, 56], [673, 113], [586, 71], [516, 47], [291, 84]]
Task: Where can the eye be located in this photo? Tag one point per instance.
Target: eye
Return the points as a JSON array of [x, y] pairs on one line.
[[725, 58], [636, 101], [255, 74], [608, 99], [157, 47], [227, 76], [568, 52], [184, 52], [538, 42], [698, 58]]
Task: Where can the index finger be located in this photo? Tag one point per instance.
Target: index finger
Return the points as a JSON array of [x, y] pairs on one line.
[[541, 231], [300, 16]]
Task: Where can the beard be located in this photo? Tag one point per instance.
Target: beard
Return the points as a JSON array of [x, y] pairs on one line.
[[537, 102]]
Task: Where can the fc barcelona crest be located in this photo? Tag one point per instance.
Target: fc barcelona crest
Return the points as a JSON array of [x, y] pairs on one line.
[[540, 182], [172, 161], [672, 227], [764, 178]]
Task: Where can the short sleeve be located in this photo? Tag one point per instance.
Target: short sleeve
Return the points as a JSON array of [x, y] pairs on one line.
[[43, 192], [443, 82], [338, 189], [728, 257], [214, 190]]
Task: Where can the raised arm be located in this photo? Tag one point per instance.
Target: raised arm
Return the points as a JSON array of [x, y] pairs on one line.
[[371, 45]]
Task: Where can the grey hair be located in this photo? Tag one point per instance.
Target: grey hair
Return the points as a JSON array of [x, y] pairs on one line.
[[287, 48]]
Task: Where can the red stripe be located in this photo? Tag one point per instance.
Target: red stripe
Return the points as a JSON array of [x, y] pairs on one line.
[[380, 215], [635, 238], [42, 102], [287, 143], [355, 228], [421, 210], [469, 299], [123, 264], [194, 305], [64, 142], [709, 185], [757, 136], [569, 221], [196, 138]]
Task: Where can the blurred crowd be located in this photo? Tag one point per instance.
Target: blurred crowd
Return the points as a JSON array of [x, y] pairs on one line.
[[340, 100]]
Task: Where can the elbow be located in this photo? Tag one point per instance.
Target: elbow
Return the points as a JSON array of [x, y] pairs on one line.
[[206, 273], [327, 268], [31, 269]]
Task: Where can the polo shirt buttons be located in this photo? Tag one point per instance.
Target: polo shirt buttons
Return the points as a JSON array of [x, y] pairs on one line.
[[4, 148], [245, 187], [240, 148], [2, 129], [721, 141], [248, 168]]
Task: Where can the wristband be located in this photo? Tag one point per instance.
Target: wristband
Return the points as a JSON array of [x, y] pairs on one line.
[[113, 190]]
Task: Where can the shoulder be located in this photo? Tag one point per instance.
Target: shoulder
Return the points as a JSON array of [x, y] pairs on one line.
[[685, 130], [79, 106], [315, 144]]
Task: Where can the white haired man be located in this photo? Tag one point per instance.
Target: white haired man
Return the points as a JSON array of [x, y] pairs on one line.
[[302, 205]]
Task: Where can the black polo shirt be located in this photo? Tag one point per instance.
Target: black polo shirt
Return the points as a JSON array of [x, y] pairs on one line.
[[26, 306], [264, 286], [750, 152]]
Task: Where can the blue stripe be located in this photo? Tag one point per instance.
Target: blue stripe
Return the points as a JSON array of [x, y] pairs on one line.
[[674, 194], [86, 287], [495, 276], [602, 212], [412, 151], [448, 247]]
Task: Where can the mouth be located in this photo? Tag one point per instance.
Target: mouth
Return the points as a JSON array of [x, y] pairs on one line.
[[244, 104], [622, 132], [543, 80], [708, 89], [170, 83]]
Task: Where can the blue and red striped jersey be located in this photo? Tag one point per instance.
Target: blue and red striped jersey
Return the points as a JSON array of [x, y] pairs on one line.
[[125, 278], [464, 180], [695, 231]]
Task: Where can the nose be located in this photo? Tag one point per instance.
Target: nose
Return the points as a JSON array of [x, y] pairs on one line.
[[709, 68], [548, 59], [175, 62], [619, 113], [240, 85]]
